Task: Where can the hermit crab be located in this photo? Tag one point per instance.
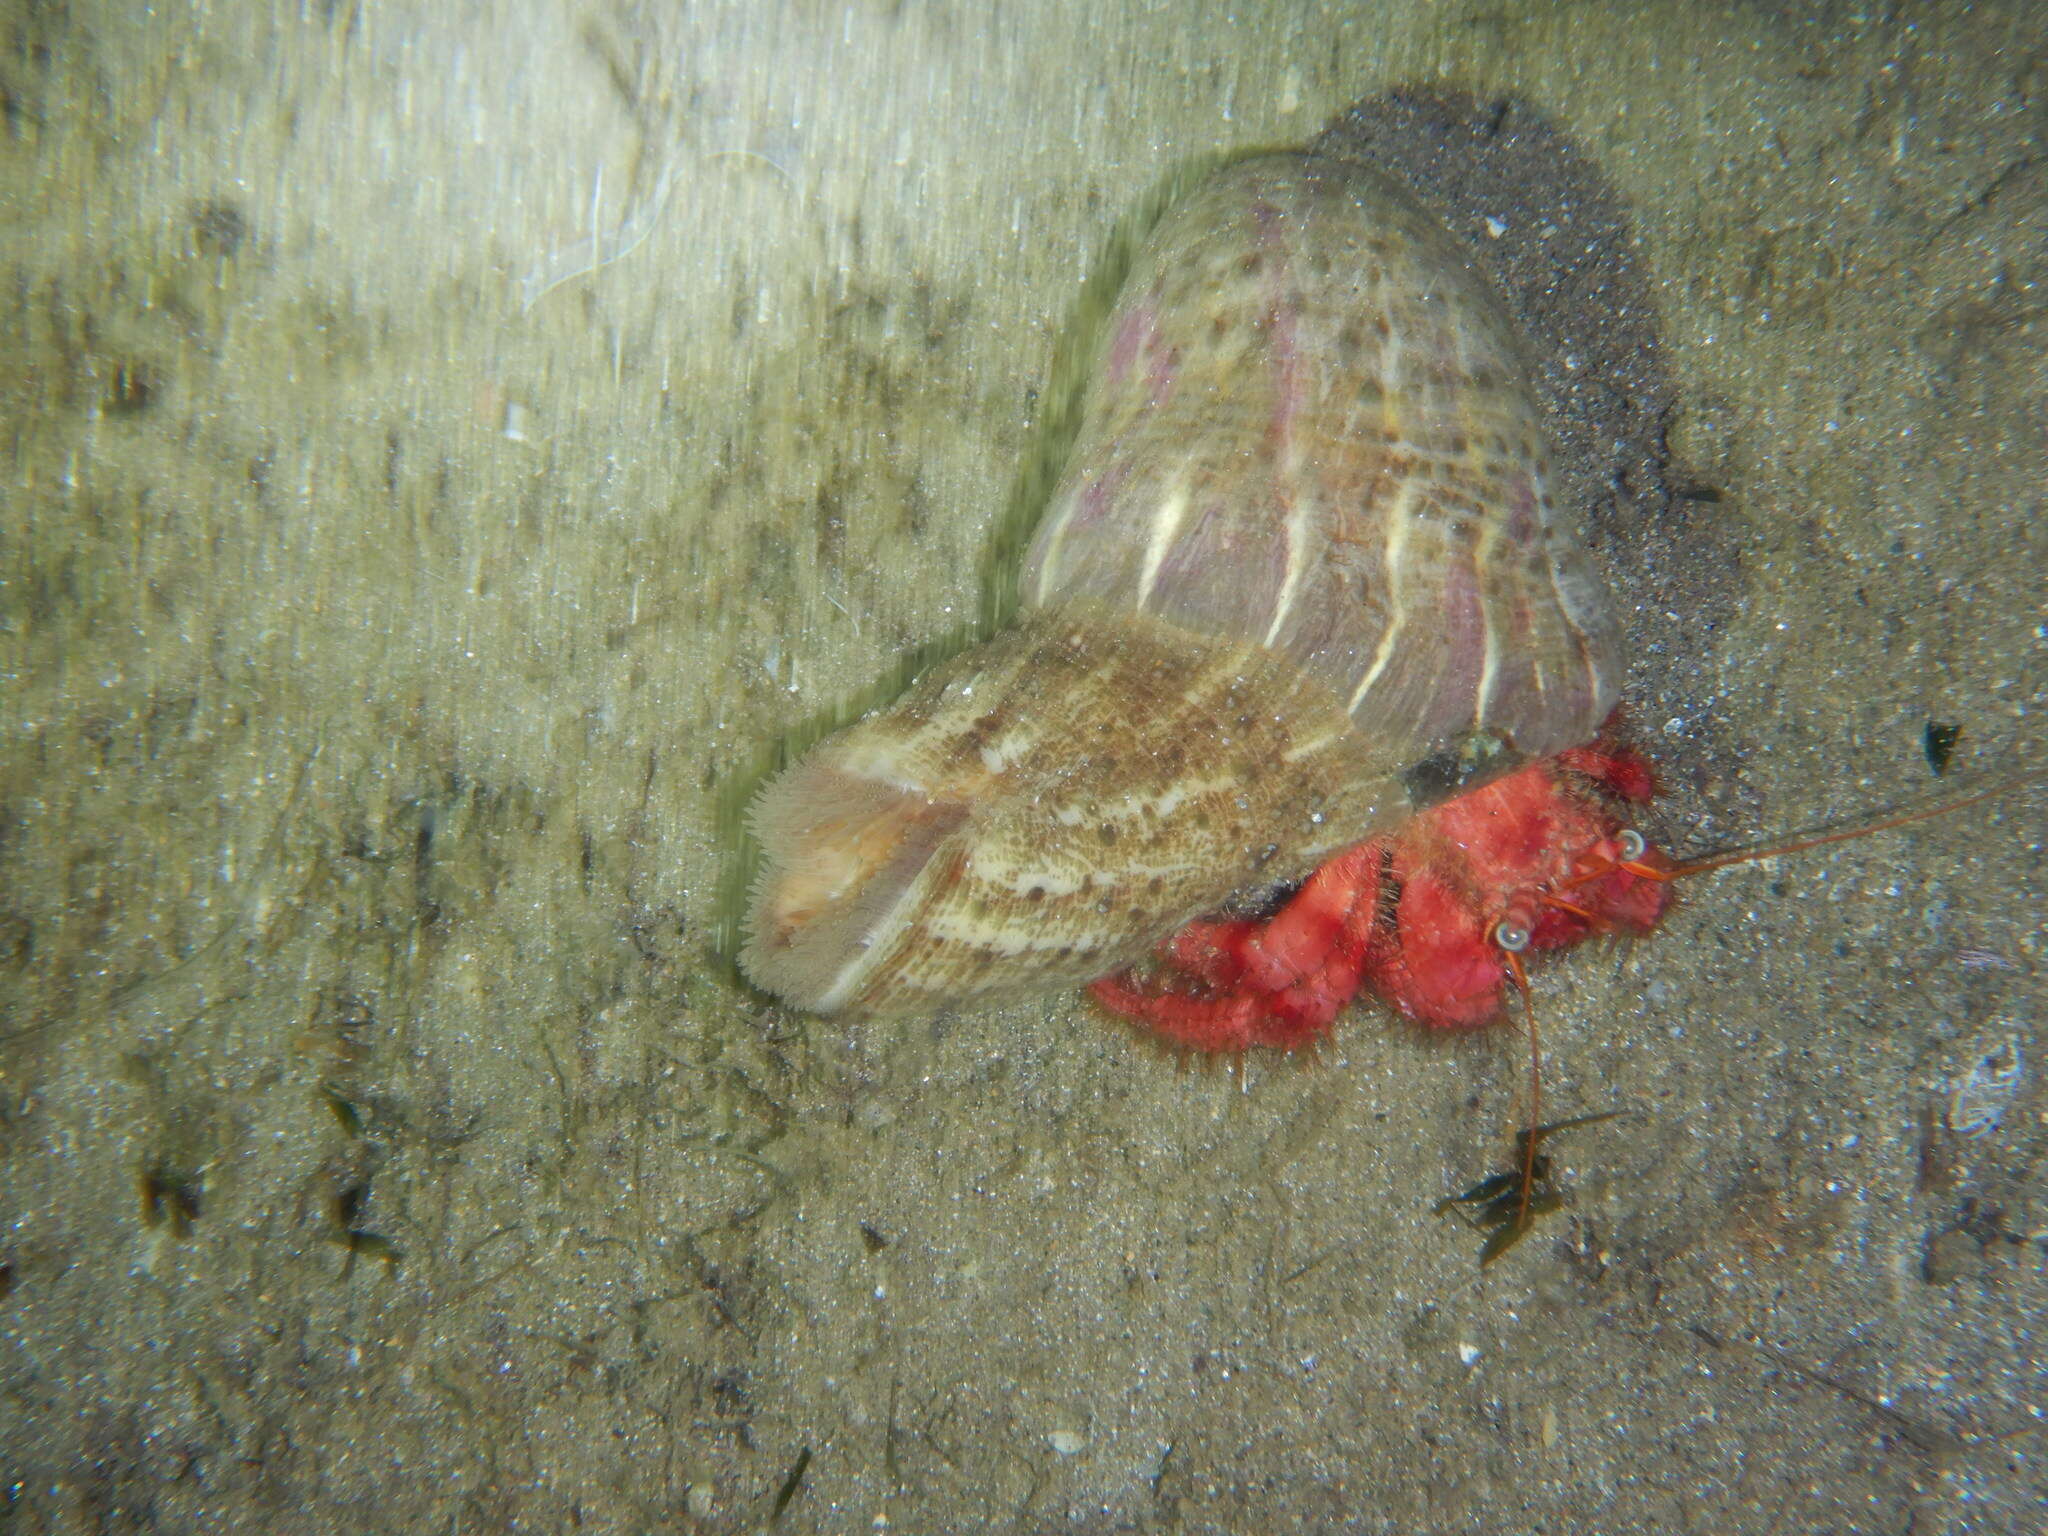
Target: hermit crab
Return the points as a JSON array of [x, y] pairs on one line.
[[1303, 578]]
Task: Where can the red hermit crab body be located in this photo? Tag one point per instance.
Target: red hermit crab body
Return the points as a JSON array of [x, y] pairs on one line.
[[1430, 919]]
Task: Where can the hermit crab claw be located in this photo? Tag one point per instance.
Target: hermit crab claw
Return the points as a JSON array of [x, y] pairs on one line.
[[844, 856]]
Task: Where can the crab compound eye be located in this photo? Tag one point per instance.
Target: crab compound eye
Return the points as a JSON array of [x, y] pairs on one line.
[[1511, 936], [1631, 843]]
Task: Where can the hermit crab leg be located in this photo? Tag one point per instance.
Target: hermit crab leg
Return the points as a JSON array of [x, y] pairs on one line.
[[1220, 1024]]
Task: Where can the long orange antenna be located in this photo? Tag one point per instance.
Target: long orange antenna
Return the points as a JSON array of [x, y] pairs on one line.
[[1821, 840]]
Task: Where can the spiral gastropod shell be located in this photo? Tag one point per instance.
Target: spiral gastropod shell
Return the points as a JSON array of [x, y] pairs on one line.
[[1303, 572]]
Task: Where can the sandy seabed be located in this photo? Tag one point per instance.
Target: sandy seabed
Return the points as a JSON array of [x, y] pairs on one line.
[[445, 457]]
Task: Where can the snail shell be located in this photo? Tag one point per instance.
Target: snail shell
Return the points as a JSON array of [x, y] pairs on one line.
[[1301, 575]]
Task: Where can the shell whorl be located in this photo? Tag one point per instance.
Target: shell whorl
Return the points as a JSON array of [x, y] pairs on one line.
[[1301, 573], [1312, 423]]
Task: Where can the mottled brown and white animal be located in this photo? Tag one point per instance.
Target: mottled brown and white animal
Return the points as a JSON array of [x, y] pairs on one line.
[[1302, 575]]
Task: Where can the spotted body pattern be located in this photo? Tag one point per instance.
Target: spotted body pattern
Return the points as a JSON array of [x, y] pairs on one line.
[[1301, 578]]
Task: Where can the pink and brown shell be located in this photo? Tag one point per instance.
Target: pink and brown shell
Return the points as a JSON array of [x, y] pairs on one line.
[[1302, 574]]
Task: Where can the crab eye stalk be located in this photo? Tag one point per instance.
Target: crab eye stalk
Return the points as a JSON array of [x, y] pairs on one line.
[[1510, 936]]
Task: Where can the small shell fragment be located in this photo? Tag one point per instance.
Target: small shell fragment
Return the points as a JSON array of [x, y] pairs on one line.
[[1980, 1099]]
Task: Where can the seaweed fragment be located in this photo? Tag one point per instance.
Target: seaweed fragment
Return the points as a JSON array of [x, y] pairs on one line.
[[790, 1485], [1938, 741], [345, 1211], [1505, 1205], [346, 1115], [171, 1195]]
